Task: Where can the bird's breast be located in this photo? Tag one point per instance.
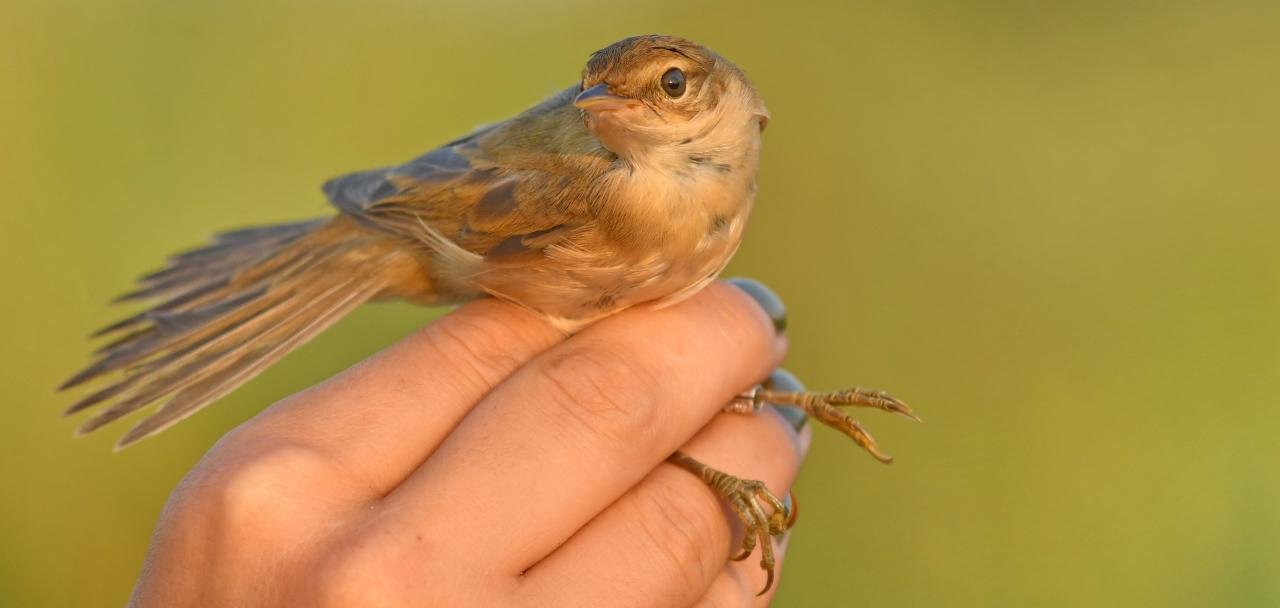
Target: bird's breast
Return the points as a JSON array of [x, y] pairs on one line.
[[674, 209], [673, 230]]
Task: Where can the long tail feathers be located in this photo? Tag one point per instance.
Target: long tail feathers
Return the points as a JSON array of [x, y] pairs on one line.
[[232, 309]]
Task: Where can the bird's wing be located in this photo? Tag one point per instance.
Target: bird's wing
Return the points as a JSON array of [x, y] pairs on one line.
[[426, 178], [501, 194]]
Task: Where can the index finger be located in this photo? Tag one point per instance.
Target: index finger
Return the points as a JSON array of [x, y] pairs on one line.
[[380, 419]]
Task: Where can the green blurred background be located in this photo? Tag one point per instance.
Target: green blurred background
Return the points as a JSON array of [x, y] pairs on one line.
[[1050, 226]]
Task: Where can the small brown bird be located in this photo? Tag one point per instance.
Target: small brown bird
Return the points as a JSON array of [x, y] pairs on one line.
[[631, 187]]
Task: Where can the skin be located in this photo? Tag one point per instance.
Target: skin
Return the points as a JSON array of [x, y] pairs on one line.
[[489, 460]]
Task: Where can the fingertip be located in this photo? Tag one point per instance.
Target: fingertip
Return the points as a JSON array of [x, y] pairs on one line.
[[801, 436], [747, 316], [750, 302], [806, 440], [766, 298], [762, 446]]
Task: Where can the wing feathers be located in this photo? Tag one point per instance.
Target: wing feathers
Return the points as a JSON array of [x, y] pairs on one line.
[[184, 368], [233, 308], [275, 345]]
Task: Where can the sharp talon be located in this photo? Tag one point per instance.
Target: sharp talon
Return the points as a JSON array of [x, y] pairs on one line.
[[911, 416], [739, 556], [902, 409], [768, 583], [793, 509], [872, 448]]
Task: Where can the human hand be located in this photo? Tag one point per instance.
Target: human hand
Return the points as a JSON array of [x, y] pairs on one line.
[[488, 460]]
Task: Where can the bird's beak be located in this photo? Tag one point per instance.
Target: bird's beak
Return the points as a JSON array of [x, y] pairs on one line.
[[599, 98]]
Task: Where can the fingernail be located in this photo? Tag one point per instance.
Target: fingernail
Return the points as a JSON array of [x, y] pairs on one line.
[[767, 300], [783, 380], [793, 510]]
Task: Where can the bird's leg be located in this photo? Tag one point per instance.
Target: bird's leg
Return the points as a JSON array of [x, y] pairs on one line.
[[824, 407], [747, 498]]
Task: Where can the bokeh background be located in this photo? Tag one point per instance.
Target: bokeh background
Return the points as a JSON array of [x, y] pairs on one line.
[[1051, 226]]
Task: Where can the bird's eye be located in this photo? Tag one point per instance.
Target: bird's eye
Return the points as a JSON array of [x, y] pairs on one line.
[[673, 82]]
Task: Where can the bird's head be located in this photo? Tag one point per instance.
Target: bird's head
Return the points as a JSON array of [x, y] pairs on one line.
[[648, 96]]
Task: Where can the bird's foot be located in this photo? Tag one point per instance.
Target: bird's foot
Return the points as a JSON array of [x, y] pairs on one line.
[[824, 407], [748, 499]]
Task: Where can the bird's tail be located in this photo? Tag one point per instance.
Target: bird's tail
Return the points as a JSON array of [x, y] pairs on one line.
[[229, 310]]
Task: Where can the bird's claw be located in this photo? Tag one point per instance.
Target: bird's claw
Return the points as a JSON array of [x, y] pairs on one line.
[[748, 499], [825, 408]]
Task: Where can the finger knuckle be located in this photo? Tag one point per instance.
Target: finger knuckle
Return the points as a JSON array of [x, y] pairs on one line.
[[253, 490], [480, 349], [685, 525], [610, 392]]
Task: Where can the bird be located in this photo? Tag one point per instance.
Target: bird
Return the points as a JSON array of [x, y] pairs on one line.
[[630, 187]]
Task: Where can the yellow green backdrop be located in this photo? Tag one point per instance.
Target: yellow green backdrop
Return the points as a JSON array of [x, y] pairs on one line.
[[1051, 226]]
